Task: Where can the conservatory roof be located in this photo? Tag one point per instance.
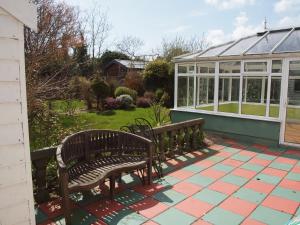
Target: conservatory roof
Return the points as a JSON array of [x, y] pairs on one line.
[[277, 41]]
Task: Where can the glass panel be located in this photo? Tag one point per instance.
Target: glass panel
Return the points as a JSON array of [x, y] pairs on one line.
[[275, 96], [206, 68], [215, 51], [256, 67], [230, 67], [241, 46], [186, 69], [182, 91], [191, 91], [291, 44], [276, 66], [205, 93], [229, 94], [292, 127], [267, 43], [254, 95]]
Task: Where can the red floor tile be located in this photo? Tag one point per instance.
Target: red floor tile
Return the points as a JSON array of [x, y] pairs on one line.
[[261, 162], [239, 206], [205, 163], [273, 153], [149, 189], [244, 173], [286, 160], [290, 184], [175, 163], [281, 204], [201, 222], [224, 187], [296, 169], [248, 153], [260, 186], [217, 147], [182, 174], [150, 223], [293, 152], [186, 188], [149, 207], [102, 208], [249, 221], [239, 146], [261, 147], [53, 208], [224, 154], [274, 172], [212, 173], [194, 207], [231, 141], [232, 162]]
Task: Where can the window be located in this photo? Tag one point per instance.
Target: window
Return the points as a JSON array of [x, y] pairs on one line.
[[275, 96], [205, 93], [185, 91], [276, 66], [230, 67], [183, 69], [229, 94], [254, 95], [206, 68], [297, 86], [255, 66]]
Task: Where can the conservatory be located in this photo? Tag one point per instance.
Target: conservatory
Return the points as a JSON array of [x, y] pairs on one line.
[[249, 88]]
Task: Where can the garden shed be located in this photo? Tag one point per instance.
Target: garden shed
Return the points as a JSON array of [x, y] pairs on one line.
[[248, 88], [16, 205]]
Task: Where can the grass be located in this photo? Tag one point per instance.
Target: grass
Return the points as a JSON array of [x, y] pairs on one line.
[[61, 105], [254, 109]]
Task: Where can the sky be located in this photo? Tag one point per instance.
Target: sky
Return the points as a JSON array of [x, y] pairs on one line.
[[218, 20]]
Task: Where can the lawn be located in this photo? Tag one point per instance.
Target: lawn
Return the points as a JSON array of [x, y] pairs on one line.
[[253, 109]]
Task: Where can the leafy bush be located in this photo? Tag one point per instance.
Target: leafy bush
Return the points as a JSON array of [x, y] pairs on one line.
[[134, 80], [81, 87], [101, 90], [150, 95], [125, 91], [143, 102], [125, 101], [111, 103], [165, 99], [158, 94]]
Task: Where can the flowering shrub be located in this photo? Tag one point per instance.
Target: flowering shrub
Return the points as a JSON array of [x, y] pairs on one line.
[[143, 102], [125, 101], [125, 91], [111, 103]]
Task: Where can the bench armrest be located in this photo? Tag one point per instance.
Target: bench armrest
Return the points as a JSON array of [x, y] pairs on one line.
[[60, 161]]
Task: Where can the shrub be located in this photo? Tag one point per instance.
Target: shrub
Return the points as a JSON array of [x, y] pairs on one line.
[[134, 80], [125, 101], [111, 103], [165, 99], [81, 87], [158, 94], [125, 91], [150, 95], [143, 102], [101, 90]]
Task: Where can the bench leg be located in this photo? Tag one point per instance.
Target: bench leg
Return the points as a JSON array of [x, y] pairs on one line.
[[67, 208], [112, 185], [149, 172]]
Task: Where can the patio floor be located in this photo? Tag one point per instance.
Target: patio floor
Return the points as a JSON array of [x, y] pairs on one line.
[[226, 184]]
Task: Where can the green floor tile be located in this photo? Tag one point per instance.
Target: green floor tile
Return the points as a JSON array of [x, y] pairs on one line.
[[216, 159], [234, 179], [293, 176], [298, 212], [253, 167], [286, 193], [231, 150], [243, 158], [167, 168], [182, 158], [219, 216], [210, 196], [281, 166], [224, 168], [169, 197], [270, 216], [79, 217], [170, 180], [174, 216], [194, 168], [266, 157], [253, 149], [250, 195], [39, 216], [268, 178], [129, 197], [200, 180], [131, 179], [124, 217]]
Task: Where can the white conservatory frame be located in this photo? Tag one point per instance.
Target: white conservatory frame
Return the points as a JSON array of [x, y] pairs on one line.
[[285, 58]]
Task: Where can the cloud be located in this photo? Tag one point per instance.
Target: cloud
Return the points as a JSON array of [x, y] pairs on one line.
[[241, 29], [283, 6], [289, 21], [179, 29], [229, 4], [198, 13]]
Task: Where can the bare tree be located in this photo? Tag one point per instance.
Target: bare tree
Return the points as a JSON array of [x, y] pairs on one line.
[[130, 45], [98, 28]]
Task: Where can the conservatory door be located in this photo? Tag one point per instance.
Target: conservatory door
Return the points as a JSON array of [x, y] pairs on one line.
[[292, 123]]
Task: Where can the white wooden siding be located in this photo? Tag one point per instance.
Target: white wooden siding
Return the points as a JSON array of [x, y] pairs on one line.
[[11, 154], [12, 215], [11, 68]]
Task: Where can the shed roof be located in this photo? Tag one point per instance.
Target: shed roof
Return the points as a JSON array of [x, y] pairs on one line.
[[129, 63], [22, 10], [276, 41]]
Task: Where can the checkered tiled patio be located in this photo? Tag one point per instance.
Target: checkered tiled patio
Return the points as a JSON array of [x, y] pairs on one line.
[[226, 184]]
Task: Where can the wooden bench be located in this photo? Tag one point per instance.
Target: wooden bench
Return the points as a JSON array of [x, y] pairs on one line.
[[87, 158]]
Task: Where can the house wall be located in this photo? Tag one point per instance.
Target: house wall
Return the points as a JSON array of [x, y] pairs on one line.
[[264, 132], [16, 194]]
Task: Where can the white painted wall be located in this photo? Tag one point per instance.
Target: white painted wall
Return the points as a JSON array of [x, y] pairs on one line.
[[16, 194]]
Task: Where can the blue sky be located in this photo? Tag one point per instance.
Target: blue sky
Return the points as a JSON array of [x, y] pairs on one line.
[[219, 20]]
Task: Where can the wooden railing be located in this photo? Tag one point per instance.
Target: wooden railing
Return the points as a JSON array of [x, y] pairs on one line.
[[173, 139]]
